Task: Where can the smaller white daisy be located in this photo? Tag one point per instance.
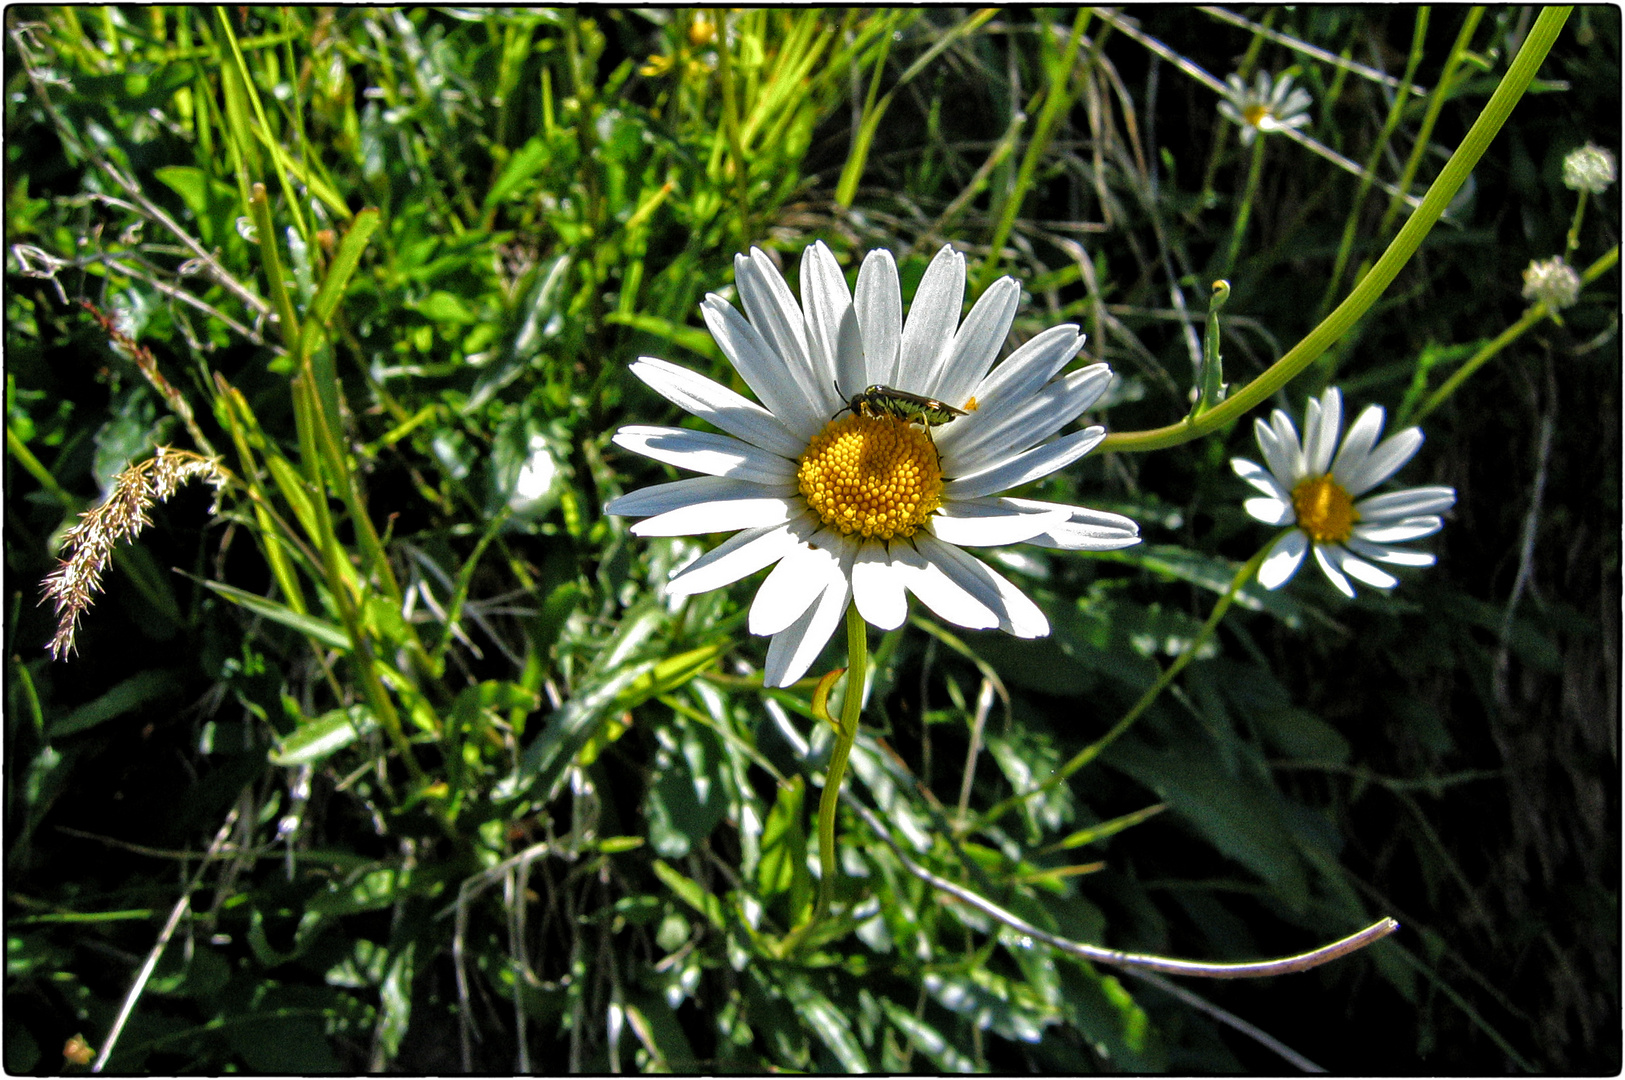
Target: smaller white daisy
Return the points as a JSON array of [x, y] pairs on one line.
[[1309, 488], [1268, 105]]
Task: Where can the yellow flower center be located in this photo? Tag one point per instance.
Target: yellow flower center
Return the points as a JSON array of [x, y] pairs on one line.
[[875, 476], [1255, 114], [1325, 511]]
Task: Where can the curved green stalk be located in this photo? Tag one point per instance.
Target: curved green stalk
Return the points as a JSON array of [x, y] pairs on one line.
[[1533, 317], [1404, 245], [1094, 749], [857, 652]]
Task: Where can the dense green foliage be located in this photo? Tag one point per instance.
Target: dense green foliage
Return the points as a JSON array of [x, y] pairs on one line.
[[448, 782]]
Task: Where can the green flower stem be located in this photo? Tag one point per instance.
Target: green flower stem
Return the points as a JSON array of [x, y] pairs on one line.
[[1404, 245], [1171, 672], [1402, 98], [1531, 318], [1056, 104], [1442, 91], [857, 653], [1254, 171], [1579, 216]]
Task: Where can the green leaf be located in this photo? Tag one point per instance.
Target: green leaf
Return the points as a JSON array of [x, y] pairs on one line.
[[324, 633], [324, 736], [688, 798], [691, 893], [522, 164], [1116, 825], [1236, 814], [927, 1039], [827, 1022], [444, 307], [783, 865], [127, 696], [992, 1002]]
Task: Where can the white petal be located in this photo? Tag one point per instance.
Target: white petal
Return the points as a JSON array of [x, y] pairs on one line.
[[878, 591], [801, 576], [773, 311], [932, 318], [792, 651], [827, 299], [1018, 615], [1023, 468], [851, 370], [1397, 532], [1357, 446], [1327, 557], [1362, 571], [987, 524], [1318, 453], [1283, 459], [1261, 478], [702, 451], [724, 515], [1396, 556], [974, 442], [977, 343], [1031, 366], [1385, 460], [718, 405], [762, 369], [939, 592], [1406, 503], [676, 494], [1282, 561], [741, 555], [879, 305], [1085, 529], [1270, 510], [1291, 452]]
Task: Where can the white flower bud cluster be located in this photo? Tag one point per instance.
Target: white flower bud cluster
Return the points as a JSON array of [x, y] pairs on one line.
[[1588, 168], [1551, 281]]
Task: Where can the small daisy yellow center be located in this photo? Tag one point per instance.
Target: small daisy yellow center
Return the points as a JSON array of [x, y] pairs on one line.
[[1325, 511], [1255, 114], [874, 476]]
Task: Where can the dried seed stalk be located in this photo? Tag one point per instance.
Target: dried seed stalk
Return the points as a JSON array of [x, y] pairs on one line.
[[121, 516]]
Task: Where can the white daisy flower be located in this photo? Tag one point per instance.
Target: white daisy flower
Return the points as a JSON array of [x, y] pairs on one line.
[[856, 504], [1265, 106], [1308, 488]]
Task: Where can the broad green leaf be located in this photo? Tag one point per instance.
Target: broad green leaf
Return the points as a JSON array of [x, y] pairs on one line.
[[1239, 816], [691, 893], [927, 1039], [827, 1022], [324, 736], [784, 848]]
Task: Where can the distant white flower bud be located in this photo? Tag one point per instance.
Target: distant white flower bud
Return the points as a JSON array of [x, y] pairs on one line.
[[1551, 281], [1588, 168]]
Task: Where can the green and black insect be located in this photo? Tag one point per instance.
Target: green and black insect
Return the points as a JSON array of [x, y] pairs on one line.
[[877, 401]]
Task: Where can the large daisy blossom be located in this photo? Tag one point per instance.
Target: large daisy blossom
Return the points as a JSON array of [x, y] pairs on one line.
[[1308, 488], [856, 506]]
